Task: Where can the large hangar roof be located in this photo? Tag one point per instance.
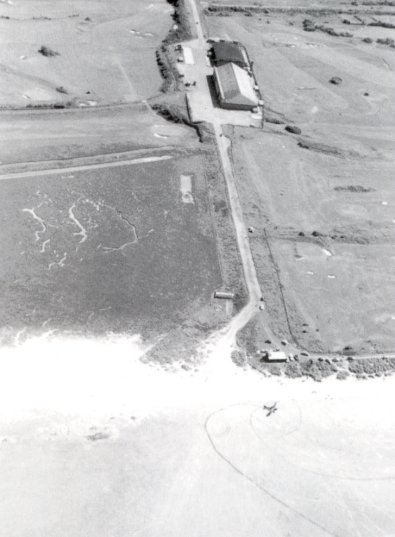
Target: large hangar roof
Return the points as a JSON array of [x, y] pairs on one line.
[[235, 85], [226, 51]]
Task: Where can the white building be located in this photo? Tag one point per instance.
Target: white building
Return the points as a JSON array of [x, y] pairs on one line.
[[235, 87]]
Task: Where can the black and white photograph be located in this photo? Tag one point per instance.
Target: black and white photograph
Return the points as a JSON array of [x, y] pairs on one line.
[[197, 279]]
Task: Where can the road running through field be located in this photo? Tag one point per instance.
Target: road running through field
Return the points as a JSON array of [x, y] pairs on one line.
[[53, 171], [223, 143]]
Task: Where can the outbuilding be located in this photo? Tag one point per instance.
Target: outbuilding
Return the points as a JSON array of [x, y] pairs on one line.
[[234, 87], [228, 51], [274, 356]]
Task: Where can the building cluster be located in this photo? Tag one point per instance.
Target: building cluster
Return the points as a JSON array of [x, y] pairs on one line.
[[234, 81]]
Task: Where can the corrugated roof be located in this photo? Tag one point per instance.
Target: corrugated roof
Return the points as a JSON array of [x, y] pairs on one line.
[[236, 85], [225, 51]]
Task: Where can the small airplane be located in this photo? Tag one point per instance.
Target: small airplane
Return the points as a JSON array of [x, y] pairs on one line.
[[271, 409]]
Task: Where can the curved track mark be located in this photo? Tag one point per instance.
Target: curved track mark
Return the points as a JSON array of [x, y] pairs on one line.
[[258, 485]]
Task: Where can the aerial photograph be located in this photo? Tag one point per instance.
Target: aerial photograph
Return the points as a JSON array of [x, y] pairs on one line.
[[197, 280]]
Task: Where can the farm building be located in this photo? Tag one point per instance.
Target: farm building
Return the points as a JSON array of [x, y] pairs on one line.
[[227, 51], [234, 87]]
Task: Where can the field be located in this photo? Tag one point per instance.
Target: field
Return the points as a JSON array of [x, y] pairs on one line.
[[114, 221], [137, 451], [40, 138], [114, 249], [322, 202], [123, 413], [104, 51]]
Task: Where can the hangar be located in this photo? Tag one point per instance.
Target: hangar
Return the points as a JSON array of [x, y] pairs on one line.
[[229, 51], [234, 87]]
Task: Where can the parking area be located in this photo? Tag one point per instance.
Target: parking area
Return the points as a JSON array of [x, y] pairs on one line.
[[197, 71]]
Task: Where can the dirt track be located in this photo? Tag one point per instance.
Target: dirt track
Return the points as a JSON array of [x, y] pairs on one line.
[[69, 169]]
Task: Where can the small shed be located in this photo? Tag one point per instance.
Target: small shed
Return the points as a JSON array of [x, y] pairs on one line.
[[275, 356], [227, 295]]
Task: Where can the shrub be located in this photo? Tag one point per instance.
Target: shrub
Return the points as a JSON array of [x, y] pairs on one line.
[[293, 130], [47, 52]]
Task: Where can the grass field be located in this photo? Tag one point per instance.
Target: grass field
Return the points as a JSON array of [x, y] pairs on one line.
[[322, 203], [118, 249], [59, 136], [106, 51]]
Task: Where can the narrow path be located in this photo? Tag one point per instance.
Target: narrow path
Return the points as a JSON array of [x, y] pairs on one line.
[[198, 24], [53, 171], [254, 290]]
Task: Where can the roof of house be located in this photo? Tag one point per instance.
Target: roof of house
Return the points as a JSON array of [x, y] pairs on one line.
[[226, 51], [235, 85]]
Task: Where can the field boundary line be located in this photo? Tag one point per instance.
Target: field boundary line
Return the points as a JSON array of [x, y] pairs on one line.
[[58, 171]]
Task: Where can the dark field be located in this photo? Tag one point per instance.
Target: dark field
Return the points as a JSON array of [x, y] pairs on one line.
[[109, 250]]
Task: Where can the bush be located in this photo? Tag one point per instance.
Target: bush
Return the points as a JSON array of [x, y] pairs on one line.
[[389, 42], [293, 130], [47, 52], [293, 370], [336, 80], [372, 366], [275, 370], [308, 25]]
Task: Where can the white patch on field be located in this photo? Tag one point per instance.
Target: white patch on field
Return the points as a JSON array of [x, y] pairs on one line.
[[18, 335], [327, 252], [112, 380], [331, 276], [82, 233], [384, 203], [44, 245], [59, 263], [110, 249], [140, 34], [39, 94], [39, 220], [186, 188], [310, 272], [157, 135]]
